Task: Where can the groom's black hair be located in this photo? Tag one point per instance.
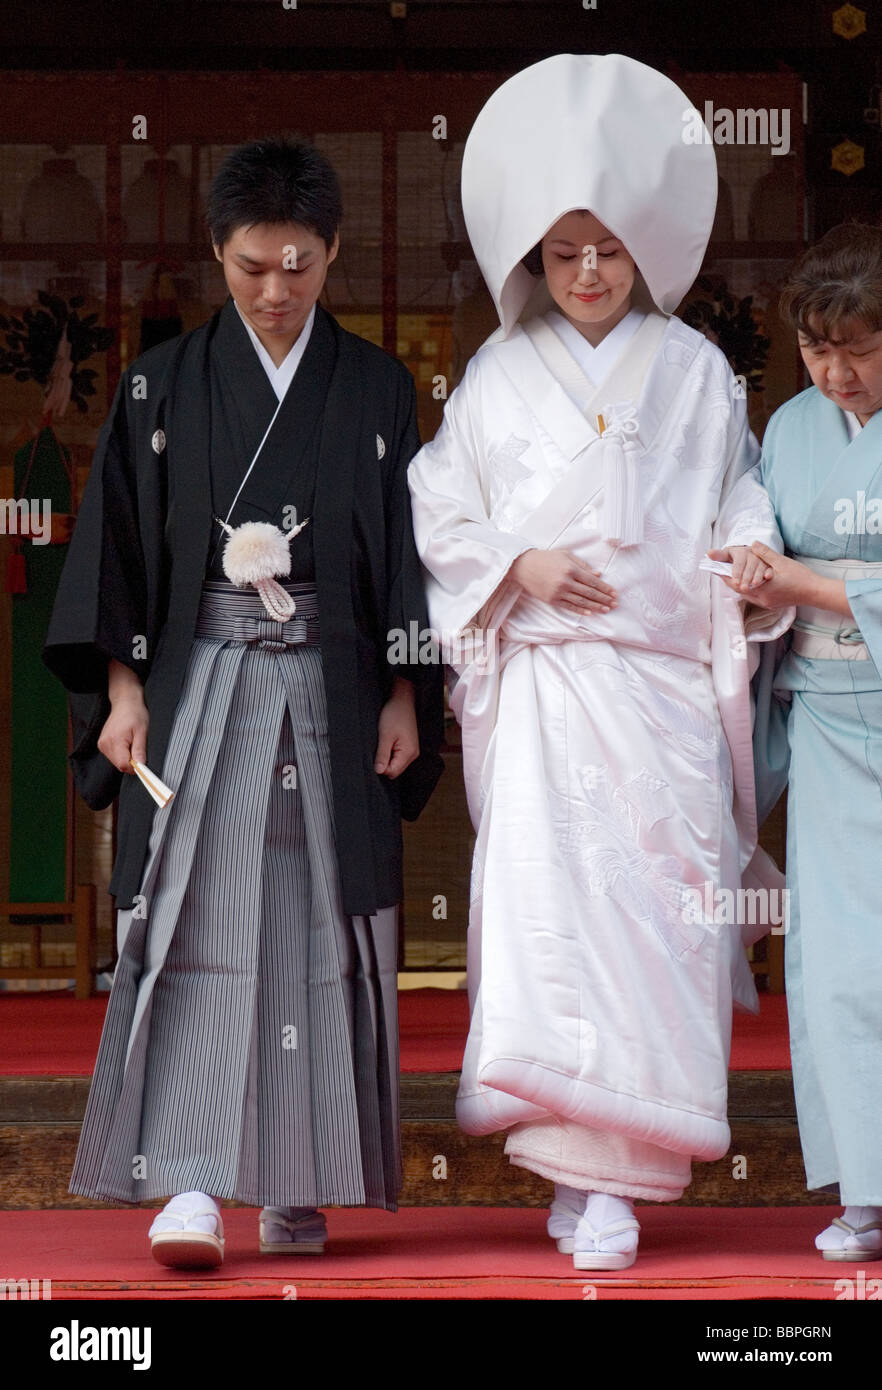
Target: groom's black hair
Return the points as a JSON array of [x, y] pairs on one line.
[[279, 179]]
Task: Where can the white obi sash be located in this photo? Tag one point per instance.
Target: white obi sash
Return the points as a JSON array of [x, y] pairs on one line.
[[821, 635]]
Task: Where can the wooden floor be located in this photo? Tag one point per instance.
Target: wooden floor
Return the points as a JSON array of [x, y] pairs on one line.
[[442, 1165]]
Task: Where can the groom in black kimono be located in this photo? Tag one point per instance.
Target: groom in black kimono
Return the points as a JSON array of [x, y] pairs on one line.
[[186, 421]]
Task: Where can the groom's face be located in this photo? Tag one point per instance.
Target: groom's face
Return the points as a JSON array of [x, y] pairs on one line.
[[275, 273]]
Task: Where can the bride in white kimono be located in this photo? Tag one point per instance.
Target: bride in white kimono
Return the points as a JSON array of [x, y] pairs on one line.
[[591, 456]]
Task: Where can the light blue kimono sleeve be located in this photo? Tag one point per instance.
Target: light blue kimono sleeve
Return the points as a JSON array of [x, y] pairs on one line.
[[771, 746], [865, 600]]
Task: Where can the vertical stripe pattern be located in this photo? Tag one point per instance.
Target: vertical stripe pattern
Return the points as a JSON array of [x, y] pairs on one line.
[[250, 1048]]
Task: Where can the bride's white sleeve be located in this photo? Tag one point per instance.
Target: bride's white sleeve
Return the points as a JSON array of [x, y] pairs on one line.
[[746, 515], [466, 557]]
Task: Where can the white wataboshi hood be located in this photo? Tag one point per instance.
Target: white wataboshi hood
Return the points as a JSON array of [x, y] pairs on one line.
[[583, 131]]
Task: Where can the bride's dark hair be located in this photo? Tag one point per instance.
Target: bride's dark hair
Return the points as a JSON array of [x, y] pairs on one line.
[[533, 260]]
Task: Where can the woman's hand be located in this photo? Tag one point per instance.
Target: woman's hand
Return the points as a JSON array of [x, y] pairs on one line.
[[794, 583], [749, 570], [397, 735], [124, 735], [557, 576]]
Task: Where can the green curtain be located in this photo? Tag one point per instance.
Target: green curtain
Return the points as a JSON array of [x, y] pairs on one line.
[[39, 706]]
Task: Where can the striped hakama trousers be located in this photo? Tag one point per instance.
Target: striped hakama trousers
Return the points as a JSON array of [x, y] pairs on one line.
[[250, 1049]]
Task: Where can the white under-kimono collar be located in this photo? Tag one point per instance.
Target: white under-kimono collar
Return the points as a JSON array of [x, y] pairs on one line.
[[596, 362], [852, 424], [280, 377]]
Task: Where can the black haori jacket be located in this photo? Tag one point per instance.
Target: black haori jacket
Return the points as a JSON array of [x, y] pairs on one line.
[[138, 557]]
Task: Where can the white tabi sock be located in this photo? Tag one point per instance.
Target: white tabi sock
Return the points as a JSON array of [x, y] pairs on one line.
[[566, 1209]]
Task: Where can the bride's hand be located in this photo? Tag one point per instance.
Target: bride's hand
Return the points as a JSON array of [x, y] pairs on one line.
[[792, 583], [557, 576], [749, 570]]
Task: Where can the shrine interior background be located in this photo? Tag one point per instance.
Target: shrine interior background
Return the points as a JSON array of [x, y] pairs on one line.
[[101, 221]]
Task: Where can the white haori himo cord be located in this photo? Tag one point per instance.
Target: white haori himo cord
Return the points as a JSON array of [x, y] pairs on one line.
[[622, 504], [257, 552]]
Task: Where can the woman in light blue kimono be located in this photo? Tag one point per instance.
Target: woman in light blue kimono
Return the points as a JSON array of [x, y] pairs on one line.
[[822, 466]]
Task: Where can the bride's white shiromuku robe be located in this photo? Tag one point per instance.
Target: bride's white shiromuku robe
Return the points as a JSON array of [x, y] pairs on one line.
[[824, 740], [607, 757]]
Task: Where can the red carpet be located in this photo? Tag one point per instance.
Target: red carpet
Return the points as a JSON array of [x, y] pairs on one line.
[[438, 1252], [57, 1035]]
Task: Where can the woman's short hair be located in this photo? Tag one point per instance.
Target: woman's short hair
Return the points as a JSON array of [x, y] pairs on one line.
[[838, 278], [280, 179]]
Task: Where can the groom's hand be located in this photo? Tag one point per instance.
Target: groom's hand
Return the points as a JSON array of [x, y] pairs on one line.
[[397, 734]]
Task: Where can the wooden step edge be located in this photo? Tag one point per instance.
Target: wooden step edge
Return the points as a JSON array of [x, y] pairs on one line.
[[423, 1096], [445, 1167]]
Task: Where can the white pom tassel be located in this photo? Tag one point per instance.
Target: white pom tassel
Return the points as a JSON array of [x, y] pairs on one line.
[[256, 550], [257, 553], [622, 503]]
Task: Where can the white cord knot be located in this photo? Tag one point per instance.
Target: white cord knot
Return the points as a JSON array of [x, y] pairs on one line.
[[621, 419]]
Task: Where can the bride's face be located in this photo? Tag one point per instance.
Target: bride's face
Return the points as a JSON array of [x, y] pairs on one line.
[[589, 273]]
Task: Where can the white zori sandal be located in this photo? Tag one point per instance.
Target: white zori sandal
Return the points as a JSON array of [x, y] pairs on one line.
[[188, 1233], [606, 1236], [587, 1243], [861, 1237], [292, 1231]]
